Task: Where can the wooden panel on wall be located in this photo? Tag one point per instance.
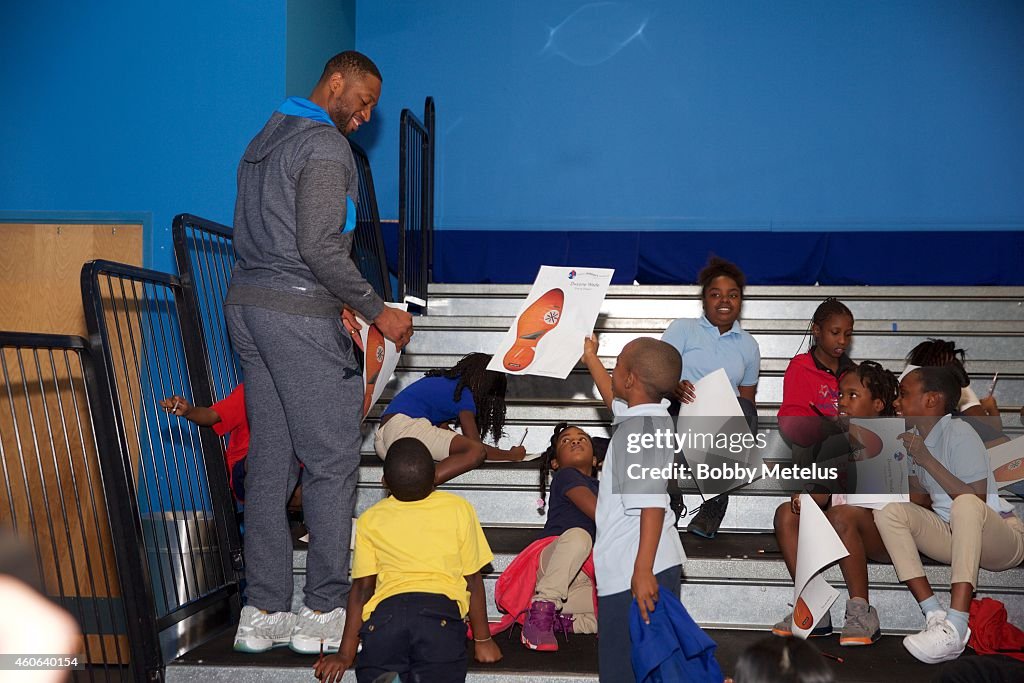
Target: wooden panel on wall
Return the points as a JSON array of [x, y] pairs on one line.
[[40, 270], [55, 500]]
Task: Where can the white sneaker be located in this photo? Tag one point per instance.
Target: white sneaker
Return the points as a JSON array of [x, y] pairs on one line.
[[315, 628], [258, 631], [938, 642], [934, 618]]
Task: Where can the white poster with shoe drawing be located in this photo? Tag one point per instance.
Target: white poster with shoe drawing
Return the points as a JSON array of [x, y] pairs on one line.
[[380, 358], [881, 466], [546, 337], [819, 547], [1007, 462]]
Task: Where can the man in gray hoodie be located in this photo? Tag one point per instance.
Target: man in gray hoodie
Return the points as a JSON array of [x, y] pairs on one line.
[[294, 275]]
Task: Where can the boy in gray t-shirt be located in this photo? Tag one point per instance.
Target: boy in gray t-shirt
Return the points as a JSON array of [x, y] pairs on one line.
[[955, 514]]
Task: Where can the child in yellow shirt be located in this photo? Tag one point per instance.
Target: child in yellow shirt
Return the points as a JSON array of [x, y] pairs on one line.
[[415, 577]]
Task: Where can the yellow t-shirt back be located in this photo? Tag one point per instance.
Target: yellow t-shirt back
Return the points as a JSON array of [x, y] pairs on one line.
[[422, 546]]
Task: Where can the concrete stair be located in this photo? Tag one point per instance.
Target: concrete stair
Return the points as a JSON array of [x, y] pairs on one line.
[[739, 581], [728, 586]]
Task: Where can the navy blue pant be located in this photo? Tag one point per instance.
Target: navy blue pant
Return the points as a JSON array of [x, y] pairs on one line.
[[419, 636], [614, 644]]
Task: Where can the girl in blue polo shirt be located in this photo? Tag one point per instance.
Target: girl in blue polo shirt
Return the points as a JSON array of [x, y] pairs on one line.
[[467, 393], [716, 340]]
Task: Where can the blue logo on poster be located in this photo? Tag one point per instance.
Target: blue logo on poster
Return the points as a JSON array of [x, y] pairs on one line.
[[572, 274]]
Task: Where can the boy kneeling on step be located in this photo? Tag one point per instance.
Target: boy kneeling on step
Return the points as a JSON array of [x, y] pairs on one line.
[[415, 576]]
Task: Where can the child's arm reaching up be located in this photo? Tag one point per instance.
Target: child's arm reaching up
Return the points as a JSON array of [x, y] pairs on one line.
[[176, 405], [485, 650], [332, 667], [601, 377]]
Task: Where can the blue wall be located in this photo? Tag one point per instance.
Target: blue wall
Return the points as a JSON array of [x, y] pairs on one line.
[[123, 106], [317, 30], [690, 115], [643, 115]]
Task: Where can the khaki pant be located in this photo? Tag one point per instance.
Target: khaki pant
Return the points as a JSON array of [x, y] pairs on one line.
[[437, 440], [559, 579], [976, 536]]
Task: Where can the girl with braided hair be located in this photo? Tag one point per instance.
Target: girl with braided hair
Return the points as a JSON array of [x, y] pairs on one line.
[[866, 390], [810, 388], [981, 413], [549, 587], [467, 393]]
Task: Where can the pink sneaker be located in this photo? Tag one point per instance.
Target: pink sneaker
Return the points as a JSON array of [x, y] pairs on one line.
[[563, 624], [538, 632]]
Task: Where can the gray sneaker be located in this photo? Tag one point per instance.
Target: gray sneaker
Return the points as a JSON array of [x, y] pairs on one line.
[[709, 517], [316, 630], [258, 631], [862, 627]]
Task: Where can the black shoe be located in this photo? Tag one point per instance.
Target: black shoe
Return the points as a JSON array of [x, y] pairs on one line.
[[709, 517]]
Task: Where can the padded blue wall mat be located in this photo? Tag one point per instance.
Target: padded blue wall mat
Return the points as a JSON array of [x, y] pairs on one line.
[[767, 258]]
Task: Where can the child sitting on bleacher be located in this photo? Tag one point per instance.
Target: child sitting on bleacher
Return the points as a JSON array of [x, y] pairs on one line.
[[956, 516], [549, 587], [468, 393], [714, 341], [868, 390], [637, 548], [810, 388], [227, 417], [981, 413], [415, 577]]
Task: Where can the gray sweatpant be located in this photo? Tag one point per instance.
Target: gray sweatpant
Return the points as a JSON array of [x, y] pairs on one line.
[[303, 396]]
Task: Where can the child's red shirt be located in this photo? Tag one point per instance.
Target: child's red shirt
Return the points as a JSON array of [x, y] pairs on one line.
[[808, 382], [234, 423]]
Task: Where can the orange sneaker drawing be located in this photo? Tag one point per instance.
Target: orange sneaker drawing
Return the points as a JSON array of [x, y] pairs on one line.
[[802, 617], [373, 359], [1010, 471], [540, 318], [866, 443]]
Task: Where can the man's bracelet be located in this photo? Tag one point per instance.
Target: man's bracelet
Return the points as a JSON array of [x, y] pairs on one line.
[[482, 640]]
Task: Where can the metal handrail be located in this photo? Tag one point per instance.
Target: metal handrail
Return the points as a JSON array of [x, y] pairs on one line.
[[416, 204]]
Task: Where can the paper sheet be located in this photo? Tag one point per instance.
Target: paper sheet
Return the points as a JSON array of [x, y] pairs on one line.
[[1007, 462], [546, 338], [380, 358], [819, 547], [881, 464], [714, 398], [716, 411]]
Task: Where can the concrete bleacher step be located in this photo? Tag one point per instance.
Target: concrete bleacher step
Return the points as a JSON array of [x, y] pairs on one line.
[[875, 339], [759, 302], [729, 587], [987, 321], [575, 662], [579, 386], [505, 494], [739, 581]]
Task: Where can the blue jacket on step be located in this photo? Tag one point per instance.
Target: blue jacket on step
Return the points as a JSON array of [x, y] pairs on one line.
[[672, 647]]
